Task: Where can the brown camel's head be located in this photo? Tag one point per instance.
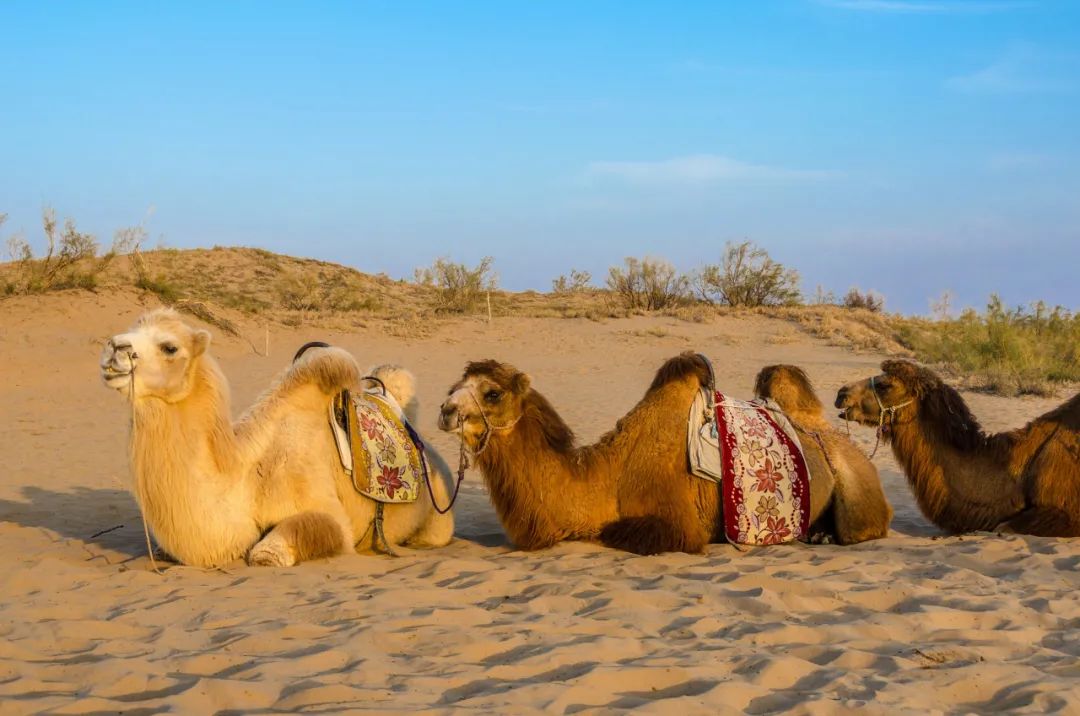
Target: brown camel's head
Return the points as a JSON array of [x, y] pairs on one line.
[[790, 388], [488, 399], [896, 392], [155, 356]]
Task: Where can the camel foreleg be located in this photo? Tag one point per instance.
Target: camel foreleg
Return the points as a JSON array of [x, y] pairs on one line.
[[308, 535]]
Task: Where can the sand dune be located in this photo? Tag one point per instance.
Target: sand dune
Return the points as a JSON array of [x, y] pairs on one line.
[[915, 623]]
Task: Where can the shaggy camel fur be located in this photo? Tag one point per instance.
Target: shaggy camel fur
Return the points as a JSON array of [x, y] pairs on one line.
[[859, 510], [1025, 480], [269, 486], [632, 490]]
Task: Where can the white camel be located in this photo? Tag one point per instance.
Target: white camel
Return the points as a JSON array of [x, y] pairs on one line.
[[269, 486]]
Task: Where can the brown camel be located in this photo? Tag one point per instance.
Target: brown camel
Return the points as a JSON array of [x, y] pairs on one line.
[[1025, 480], [859, 510], [631, 490]]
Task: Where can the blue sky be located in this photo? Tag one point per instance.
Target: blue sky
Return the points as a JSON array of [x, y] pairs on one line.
[[905, 146]]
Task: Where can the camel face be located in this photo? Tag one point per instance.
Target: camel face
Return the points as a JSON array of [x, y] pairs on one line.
[[155, 356], [486, 399], [864, 401]]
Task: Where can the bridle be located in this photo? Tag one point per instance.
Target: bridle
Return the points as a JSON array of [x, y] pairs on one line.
[[884, 423], [489, 427]]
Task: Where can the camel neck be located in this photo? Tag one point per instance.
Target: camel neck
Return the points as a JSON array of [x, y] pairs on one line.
[[539, 491], [959, 489], [185, 445]]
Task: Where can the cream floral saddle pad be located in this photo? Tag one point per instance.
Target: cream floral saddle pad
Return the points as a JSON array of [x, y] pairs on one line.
[[752, 450], [377, 446]]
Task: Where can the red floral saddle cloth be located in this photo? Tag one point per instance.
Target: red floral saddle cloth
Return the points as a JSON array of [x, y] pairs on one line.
[[378, 448], [752, 450]]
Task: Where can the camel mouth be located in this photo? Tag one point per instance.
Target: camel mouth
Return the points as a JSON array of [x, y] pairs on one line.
[[115, 378]]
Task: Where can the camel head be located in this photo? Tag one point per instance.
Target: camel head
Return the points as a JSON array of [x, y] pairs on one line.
[[488, 399], [156, 356], [897, 390]]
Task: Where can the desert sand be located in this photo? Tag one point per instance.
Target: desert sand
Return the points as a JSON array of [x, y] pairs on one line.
[[915, 623]]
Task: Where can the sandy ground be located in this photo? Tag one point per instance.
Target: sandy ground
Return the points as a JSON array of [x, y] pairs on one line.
[[915, 623]]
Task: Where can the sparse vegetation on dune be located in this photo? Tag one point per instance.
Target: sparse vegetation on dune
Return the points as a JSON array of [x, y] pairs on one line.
[[1003, 350]]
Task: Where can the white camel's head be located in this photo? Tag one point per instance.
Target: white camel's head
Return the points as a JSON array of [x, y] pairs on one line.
[[156, 356]]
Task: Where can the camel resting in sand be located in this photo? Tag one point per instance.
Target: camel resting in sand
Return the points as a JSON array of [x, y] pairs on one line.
[[632, 490], [1025, 480], [269, 486]]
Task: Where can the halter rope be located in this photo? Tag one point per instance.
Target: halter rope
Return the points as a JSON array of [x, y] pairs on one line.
[[883, 425], [142, 515]]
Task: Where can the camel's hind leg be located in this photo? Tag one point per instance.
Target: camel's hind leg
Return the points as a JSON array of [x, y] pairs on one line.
[[1043, 522], [308, 535]]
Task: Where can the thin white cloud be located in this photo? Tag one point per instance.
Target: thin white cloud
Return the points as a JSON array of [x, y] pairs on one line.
[[926, 7], [1022, 69], [696, 169]]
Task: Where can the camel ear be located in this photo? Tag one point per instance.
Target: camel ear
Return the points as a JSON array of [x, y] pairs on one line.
[[199, 343], [520, 383]]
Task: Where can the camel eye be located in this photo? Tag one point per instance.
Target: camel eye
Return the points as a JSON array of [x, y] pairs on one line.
[[492, 396], [169, 349]]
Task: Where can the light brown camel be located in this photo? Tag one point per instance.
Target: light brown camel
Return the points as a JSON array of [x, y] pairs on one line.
[[632, 490], [859, 510], [269, 486], [1025, 480]]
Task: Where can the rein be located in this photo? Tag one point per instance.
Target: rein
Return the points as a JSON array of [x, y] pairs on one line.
[[890, 411], [142, 515]]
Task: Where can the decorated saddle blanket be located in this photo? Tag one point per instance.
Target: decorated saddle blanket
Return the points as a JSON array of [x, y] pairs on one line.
[[378, 448], [753, 451]]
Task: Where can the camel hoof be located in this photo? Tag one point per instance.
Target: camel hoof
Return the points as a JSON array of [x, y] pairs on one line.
[[271, 552]]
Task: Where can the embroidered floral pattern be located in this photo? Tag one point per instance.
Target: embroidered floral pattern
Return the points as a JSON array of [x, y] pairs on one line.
[[390, 467], [765, 486]]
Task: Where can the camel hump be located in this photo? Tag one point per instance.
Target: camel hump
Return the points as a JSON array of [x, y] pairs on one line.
[[400, 383], [682, 366]]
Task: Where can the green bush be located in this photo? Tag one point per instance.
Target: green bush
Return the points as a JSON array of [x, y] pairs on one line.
[[748, 276], [1008, 350], [458, 288], [650, 284]]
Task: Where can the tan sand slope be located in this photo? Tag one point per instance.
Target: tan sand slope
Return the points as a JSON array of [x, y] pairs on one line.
[[914, 623]]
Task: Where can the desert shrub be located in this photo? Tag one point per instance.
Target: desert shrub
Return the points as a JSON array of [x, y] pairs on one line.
[[650, 283], [822, 297], [747, 276], [70, 261], [1006, 350], [458, 288], [576, 281], [869, 300], [161, 286]]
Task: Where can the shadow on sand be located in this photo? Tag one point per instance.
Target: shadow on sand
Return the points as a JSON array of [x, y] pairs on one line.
[[105, 517]]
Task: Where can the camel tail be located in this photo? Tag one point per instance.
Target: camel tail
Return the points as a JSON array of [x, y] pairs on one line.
[[680, 367], [647, 535]]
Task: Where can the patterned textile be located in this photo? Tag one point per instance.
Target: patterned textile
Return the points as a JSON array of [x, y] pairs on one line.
[[765, 485], [383, 455]]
